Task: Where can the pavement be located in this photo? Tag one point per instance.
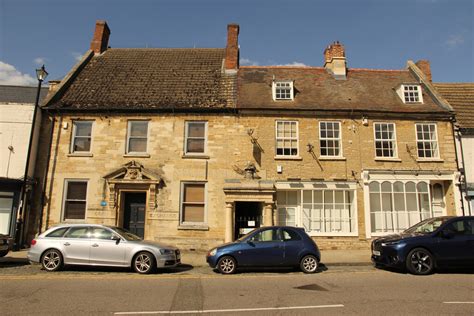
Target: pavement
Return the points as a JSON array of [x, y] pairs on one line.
[[198, 258]]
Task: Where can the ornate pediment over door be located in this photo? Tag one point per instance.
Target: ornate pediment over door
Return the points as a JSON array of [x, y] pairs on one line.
[[133, 174]]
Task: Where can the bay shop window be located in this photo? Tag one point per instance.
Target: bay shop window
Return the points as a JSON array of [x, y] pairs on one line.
[[397, 205], [321, 208]]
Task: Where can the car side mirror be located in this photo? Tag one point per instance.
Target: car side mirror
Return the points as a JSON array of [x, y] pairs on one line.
[[117, 239], [250, 242]]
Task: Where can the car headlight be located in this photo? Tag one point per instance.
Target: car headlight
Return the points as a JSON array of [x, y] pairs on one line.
[[166, 251], [213, 252], [391, 243]]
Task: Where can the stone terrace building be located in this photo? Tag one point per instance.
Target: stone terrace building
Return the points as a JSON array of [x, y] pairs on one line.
[[186, 147], [461, 97]]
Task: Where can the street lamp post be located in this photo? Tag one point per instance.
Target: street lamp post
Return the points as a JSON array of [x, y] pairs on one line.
[[41, 75]]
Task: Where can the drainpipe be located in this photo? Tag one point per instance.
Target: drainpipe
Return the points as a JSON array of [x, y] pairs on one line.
[[457, 136], [45, 181]]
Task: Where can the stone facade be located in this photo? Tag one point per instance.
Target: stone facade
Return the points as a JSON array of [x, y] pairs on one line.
[[230, 146]]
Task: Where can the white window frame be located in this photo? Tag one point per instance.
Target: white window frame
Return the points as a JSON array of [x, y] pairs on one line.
[[65, 199], [181, 203], [329, 186], [427, 141], [74, 136], [405, 88], [186, 129], [338, 140], [129, 126], [276, 85], [393, 212], [8, 211], [283, 138], [394, 141]]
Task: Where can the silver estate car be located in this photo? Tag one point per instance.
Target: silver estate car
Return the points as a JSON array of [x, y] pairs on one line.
[[100, 245]]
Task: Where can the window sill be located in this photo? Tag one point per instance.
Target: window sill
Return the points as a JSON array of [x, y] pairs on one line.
[[430, 160], [199, 156], [331, 235], [331, 158], [73, 221], [288, 158], [137, 155], [80, 155], [388, 159], [192, 227]]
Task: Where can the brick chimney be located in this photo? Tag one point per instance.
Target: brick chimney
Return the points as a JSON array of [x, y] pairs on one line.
[[232, 48], [424, 66], [100, 41], [335, 60]]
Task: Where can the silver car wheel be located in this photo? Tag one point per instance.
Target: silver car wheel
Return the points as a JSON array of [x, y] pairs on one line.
[[143, 263], [52, 260], [309, 264], [227, 265]]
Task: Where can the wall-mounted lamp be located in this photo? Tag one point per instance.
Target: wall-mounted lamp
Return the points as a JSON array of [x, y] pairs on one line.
[[310, 147], [365, 121]]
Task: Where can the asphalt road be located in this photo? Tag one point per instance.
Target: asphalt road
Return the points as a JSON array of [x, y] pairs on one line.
[[353, 290]]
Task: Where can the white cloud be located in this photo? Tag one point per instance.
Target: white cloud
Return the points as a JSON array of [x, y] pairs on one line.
[[77, 56], [9, 75], [248, 62], [40, 61], [454, 41], [295, 64]]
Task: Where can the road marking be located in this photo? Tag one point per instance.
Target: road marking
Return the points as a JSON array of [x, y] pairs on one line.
[[230, 310], [458, 302]]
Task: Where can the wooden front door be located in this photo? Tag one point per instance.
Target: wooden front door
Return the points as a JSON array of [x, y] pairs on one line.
[[134, 213]]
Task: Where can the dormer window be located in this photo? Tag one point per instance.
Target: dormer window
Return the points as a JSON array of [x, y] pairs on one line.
[[410, 93], [282, 90]]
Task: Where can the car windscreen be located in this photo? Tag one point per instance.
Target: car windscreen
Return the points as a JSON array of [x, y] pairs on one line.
[[427, 226], [126, 234], [247, 235]]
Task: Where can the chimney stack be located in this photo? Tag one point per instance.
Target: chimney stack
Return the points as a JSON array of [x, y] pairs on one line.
[[232, 48], [335, 60], [424, 66], [100, 41]]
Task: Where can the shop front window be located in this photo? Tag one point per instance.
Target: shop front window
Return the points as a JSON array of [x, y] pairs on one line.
[[319, 211], [397, 205]]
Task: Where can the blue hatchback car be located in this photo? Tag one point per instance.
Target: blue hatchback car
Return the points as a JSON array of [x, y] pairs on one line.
[[437, 242], [276, 246]]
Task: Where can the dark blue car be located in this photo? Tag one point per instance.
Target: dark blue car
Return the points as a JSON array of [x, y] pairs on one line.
[[274, 246], [438, 242]]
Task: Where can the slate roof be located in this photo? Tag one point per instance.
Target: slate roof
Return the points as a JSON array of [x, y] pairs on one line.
[[461, 98], [149, 79], [316, 89], [21, 94]]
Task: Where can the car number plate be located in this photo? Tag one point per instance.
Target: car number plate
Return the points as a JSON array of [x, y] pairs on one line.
[[376, 253]]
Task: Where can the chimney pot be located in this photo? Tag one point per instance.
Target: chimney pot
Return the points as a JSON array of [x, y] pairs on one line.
[[425, 67], [232, 48], [100, 41]]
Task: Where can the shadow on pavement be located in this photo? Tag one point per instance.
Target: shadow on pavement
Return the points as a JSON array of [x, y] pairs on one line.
[[8, 262], [100, 269], [462, 270]]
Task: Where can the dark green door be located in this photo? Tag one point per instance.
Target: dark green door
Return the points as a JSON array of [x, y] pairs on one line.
[[134, 213]]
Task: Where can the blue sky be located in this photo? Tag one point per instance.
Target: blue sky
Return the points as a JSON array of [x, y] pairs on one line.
[[376, 34]]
